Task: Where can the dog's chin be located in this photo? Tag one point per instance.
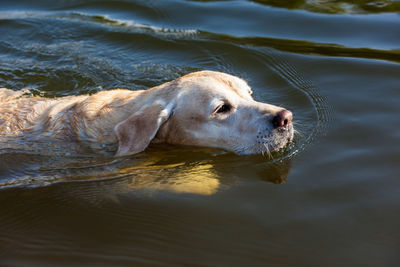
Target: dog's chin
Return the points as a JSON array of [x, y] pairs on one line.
[[270, 142], [280, 139]]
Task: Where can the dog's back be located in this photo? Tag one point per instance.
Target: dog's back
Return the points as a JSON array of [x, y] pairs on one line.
[[70, 117], [7, 95], [17, 110]]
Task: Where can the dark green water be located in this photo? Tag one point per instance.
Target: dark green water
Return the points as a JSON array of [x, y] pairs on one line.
[[332, 198]]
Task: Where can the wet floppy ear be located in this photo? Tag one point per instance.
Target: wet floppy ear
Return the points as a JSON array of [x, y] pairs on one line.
[[135, 133]]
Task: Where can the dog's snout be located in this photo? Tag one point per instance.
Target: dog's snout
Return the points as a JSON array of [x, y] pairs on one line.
[[282, 119]]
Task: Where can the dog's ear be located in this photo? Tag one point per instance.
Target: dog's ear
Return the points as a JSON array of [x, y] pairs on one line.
[[135, 133]]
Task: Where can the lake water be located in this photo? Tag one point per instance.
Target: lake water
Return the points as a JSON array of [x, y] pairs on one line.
[[331, 198]]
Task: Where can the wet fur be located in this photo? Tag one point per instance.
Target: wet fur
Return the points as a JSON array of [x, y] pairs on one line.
[[177, 112]]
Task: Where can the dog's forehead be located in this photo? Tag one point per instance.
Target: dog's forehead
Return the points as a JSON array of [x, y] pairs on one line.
[[219, 84], [237, 85]]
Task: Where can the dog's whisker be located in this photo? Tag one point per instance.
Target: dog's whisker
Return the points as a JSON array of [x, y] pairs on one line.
[[297, 132], [267, 150]]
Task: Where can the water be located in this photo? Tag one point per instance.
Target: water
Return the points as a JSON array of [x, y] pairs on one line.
[[329, 199]]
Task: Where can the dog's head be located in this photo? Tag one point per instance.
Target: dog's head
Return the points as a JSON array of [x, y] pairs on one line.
[[210, 109]]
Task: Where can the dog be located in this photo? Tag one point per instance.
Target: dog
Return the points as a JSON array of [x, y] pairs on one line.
[[204, 108]]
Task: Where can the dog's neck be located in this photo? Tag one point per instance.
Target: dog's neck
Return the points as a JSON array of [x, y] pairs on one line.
[[85, 120], [93, 119]]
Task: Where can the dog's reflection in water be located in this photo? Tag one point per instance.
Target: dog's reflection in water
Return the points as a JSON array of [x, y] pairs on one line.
[[163, 168], [205, 176]]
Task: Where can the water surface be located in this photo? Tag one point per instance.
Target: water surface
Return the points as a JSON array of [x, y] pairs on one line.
[[331, 198]]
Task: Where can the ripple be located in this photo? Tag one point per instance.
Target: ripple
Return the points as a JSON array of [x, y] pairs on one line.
[[104, 20], [307, 47], [322, 110], [287, 45], [130, 24], [50, 221]]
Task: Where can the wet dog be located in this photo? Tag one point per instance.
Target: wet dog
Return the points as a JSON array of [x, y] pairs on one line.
[[203, 108]]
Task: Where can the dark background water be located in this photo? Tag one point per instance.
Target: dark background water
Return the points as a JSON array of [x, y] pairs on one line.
[[331, 199]]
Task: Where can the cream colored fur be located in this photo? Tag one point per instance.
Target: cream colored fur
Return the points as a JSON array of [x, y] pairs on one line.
[[184, 111]]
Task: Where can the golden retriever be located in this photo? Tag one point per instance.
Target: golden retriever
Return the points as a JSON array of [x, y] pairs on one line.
[[205, 108]]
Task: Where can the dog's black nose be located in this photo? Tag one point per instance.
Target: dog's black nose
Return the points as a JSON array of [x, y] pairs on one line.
[[282, 119]]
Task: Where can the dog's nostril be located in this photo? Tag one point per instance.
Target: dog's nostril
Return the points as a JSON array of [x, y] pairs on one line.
[[282, 118]]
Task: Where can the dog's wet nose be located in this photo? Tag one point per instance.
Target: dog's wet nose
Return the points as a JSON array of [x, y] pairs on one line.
[[282, 119]]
